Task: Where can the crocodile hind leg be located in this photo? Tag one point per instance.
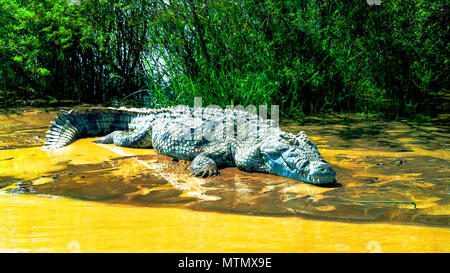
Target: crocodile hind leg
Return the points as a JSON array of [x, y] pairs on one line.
[[132, 139]]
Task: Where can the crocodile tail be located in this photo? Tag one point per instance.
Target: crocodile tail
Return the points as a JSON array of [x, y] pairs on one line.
[[69, 126]]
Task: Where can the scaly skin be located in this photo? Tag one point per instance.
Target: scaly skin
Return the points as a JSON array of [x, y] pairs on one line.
[[210, 138]]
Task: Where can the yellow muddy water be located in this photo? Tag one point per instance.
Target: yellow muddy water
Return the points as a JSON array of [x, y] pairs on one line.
[[87, 197]]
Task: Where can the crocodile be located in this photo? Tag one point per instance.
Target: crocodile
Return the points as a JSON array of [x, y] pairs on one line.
[[209, 137]]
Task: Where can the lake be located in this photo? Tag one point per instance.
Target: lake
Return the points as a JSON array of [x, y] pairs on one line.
[[392, 194]]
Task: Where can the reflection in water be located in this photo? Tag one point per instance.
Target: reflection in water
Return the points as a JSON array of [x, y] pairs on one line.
[[188, 184], [377, 161]]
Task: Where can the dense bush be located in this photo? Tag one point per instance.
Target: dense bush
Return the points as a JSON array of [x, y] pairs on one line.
[[306, 56], [89, 51]]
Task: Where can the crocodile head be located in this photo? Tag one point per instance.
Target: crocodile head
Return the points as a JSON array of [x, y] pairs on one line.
[[295, 156]]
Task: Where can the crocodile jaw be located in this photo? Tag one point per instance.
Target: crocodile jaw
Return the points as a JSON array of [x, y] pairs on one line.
[[298, 160]]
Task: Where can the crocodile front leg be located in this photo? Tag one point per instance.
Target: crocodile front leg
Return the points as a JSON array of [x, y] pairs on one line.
[[214, 155], [204, 166]]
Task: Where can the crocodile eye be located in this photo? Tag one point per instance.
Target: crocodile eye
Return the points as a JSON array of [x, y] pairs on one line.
[[289, 138]]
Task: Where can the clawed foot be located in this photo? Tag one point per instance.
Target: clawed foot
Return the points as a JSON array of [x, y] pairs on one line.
[[108, 139], [204, 166], [99, 141], [209, 171]]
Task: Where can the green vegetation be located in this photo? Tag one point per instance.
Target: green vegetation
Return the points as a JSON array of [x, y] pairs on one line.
[[307, 56]]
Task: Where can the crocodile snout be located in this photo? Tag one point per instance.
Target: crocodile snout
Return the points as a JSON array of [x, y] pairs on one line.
[[322, 172]]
